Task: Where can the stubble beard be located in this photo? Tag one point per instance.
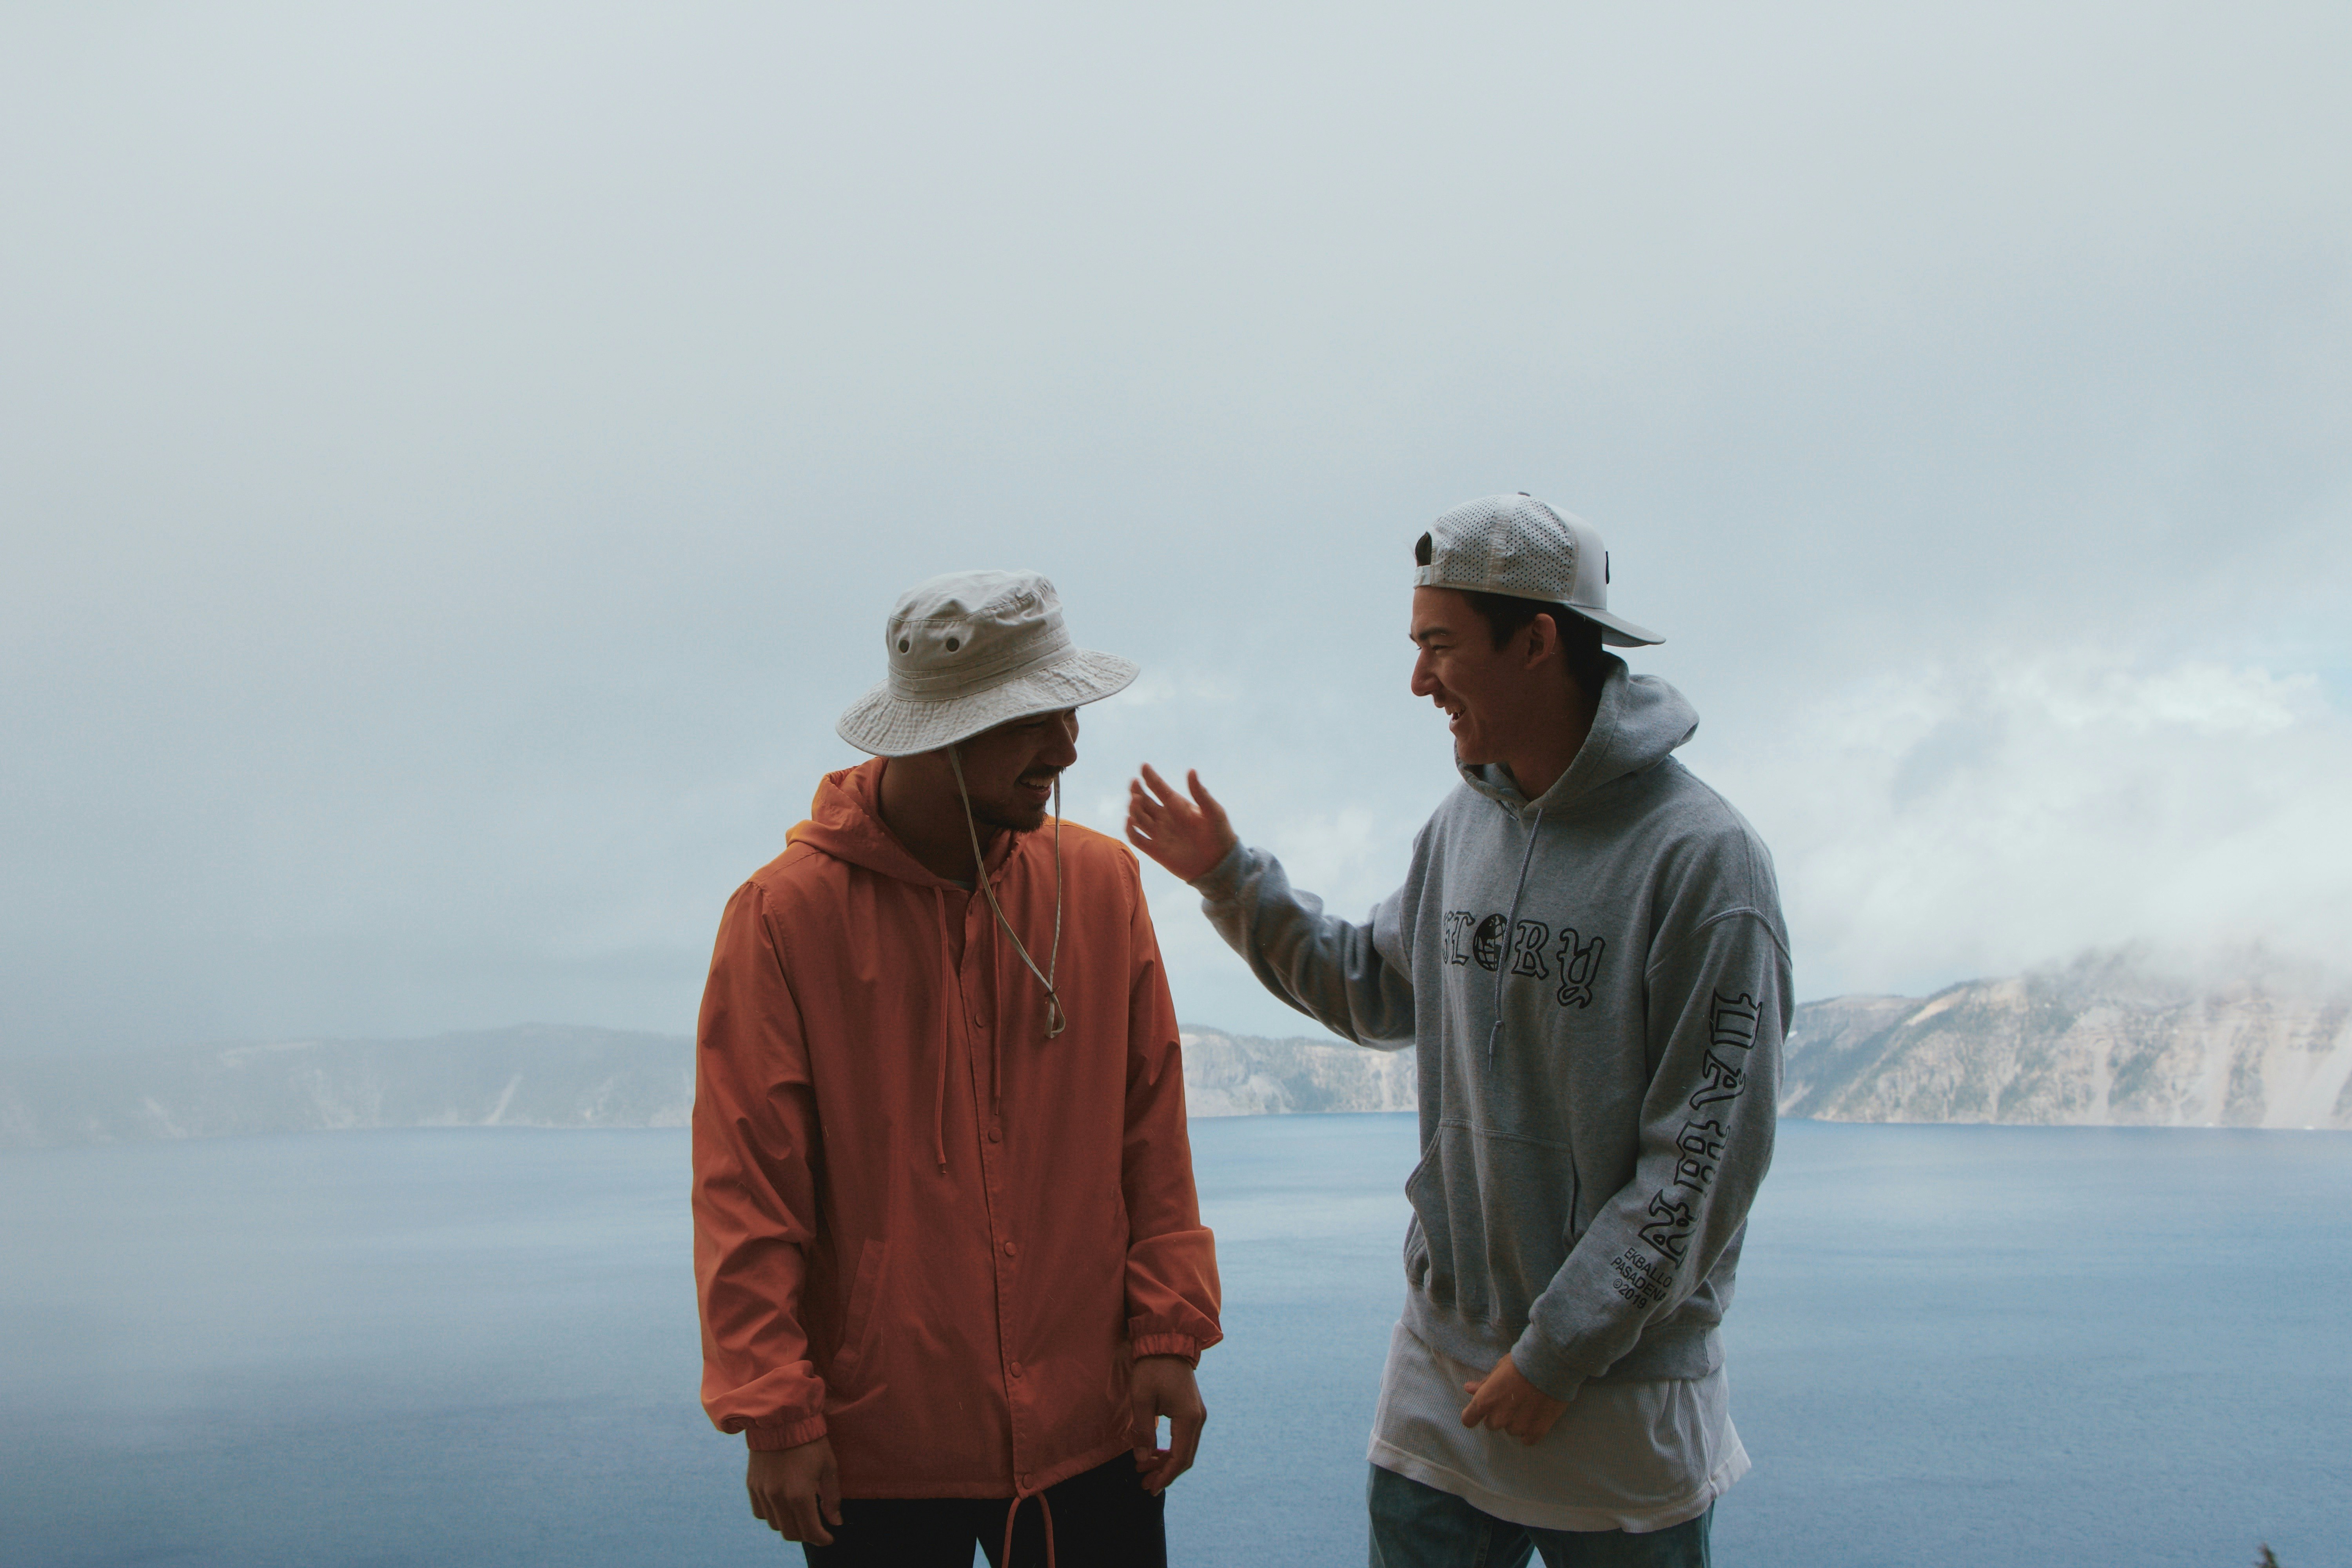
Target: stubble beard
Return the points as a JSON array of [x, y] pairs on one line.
[[1015, 815], [1015, 819]]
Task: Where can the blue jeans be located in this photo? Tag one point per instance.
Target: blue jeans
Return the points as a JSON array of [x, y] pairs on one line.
[[1417, 1526]]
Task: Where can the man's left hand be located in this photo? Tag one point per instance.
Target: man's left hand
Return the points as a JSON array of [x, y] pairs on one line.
[[1163, 1385], [1508, 1402]]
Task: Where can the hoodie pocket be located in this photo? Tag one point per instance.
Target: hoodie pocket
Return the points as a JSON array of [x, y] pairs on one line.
[[858, 1324], [1429, 1239]]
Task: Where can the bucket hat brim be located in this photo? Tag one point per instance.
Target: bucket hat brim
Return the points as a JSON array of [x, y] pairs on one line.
[[890, 725]]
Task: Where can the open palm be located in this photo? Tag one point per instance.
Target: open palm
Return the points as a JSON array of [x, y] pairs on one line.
[[1186, 835]]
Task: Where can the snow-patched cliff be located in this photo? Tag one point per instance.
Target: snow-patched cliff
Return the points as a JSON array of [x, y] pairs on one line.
[[1240, 1074], [2106, 1041]]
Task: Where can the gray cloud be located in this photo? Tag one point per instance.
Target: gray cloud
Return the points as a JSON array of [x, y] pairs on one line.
[[455, 464]]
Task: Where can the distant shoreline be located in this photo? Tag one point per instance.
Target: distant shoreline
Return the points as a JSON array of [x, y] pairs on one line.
[[2092, 1045]]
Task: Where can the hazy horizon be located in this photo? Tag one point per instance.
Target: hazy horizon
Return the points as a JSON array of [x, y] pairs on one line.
[[455, 464]]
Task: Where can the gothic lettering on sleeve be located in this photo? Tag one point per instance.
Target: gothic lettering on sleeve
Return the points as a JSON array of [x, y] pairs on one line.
[[1670, 1225], [1698, 1147], [1722, 1082], [1701, 1143], [1733, 1021]]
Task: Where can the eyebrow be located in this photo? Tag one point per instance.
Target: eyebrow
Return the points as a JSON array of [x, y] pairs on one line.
[[1425, 633]]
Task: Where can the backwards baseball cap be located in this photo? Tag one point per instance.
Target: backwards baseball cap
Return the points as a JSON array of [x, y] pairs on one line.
[[968, 652], [1517, 546]]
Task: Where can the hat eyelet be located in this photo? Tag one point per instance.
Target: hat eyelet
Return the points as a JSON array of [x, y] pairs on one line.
[[954, 643], [905, 646]]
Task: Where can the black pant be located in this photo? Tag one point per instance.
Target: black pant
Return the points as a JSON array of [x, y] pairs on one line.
[[1102, 1519]]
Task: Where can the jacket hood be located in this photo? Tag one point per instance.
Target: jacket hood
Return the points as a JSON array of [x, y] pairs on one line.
[[1641, 722], [845, 821]]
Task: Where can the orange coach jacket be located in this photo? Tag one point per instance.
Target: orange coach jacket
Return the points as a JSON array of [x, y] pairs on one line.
[[921, 1227]]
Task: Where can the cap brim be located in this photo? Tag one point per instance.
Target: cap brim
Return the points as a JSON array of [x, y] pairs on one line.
[[892, 726], [1617, 631]]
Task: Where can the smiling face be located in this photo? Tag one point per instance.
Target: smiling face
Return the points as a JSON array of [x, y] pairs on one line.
[[1009, 770], [1494, 698]]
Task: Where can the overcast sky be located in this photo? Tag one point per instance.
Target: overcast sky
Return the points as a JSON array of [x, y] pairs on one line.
[[456, 460]]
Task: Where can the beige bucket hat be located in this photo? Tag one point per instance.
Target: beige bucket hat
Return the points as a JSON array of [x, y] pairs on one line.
[[968, 652]]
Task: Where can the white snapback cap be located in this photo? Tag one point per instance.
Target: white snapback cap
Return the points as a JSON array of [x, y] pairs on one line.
[[1517, 546]]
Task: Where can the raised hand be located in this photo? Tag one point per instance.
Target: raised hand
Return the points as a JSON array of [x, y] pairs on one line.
[[1186, 837]]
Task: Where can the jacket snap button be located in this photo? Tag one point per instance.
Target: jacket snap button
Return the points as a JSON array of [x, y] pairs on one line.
[[992, 1134], [1010, 1249], [1014, 1369]]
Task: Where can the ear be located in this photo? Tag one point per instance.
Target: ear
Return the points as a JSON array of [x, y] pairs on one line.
[[1543, 641]]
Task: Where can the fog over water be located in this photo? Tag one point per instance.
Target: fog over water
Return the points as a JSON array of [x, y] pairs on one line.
[[455, 463]]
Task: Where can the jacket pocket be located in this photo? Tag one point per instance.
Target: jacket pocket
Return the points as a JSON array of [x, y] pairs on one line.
[[858, 1323]]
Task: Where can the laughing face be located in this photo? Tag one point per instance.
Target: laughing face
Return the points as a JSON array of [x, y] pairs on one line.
[[1011, 769], [1478, 686]]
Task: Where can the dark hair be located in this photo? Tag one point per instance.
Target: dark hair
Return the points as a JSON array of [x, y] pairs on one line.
[[1506, 615]]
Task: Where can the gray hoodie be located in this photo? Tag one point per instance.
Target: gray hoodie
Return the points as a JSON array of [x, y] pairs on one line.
[[1598, 983]]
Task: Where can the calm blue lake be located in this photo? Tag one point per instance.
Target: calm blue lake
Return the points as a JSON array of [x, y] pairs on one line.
[[1967, 1346]]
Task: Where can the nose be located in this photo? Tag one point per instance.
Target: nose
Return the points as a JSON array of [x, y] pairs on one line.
[[1424, 679], [1062, 743]]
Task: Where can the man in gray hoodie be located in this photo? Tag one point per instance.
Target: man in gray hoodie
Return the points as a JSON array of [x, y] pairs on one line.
[[1587, 955]]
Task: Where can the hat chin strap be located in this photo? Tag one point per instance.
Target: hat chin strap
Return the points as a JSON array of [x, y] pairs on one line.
[[1056, 1020]]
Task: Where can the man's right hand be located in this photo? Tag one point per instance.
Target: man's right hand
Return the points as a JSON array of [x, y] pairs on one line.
[[797, 1492], [1186, 837]]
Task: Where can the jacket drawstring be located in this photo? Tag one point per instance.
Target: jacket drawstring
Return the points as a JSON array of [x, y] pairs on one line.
[[1014, 1512], [1056, 1019], [947, 1037], [1510, 932]]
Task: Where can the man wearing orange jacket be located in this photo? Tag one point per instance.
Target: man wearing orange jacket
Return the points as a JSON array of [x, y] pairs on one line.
[[946, 1240]]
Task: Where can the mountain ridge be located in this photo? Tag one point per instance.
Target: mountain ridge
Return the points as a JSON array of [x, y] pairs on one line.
[[2105, 1041]]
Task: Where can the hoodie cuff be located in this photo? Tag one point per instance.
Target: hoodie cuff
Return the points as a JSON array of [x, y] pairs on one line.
[[1183, 1347], [1542, 1364], [1220, 882], [766, 1437]]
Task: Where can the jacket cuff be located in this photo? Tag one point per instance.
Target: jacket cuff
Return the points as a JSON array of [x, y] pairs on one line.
[[1540, 1363], [1183, 1346], [768, 1436], [1218, 884]]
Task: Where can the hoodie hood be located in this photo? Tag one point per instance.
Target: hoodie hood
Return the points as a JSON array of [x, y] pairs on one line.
[[845, 822], [1640, 722]]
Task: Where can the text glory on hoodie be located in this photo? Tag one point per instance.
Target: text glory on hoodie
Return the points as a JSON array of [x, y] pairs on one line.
[[1596, 983]]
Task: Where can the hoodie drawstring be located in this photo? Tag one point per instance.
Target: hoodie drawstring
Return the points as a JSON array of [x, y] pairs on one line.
[[1510, 933]]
